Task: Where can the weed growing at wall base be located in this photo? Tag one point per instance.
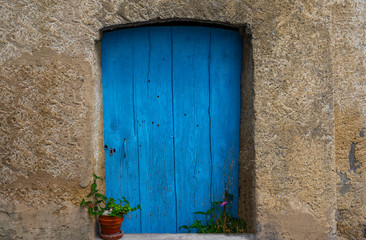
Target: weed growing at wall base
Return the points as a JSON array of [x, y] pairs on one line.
[[218, 219]]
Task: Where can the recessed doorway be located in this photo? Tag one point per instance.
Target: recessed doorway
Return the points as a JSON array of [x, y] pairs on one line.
[[171, 111]]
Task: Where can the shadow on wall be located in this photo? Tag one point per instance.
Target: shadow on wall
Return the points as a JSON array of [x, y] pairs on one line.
[[247, 208]]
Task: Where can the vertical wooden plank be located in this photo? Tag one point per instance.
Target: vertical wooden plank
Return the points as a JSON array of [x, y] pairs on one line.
[[225, 69], [155, 131], [191, 115], [121, 169]]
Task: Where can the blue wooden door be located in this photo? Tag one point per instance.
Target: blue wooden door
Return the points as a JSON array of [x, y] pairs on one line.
[[171, 110]]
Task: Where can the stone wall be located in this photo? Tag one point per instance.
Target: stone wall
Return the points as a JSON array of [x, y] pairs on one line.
[[348, 38], [303, 141]]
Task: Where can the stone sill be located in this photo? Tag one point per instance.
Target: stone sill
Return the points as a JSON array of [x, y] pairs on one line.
[[193, 236]]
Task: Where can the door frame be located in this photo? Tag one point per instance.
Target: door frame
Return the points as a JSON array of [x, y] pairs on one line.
[[247, 176]]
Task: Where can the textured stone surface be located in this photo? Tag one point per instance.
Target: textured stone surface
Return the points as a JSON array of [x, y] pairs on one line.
[[349, 72], [43, 138], [303, 131]]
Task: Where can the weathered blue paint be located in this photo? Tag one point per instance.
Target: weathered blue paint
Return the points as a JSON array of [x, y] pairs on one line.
[[156, 155], [120, 126], [191, 52], [171, 109], [225, 72]]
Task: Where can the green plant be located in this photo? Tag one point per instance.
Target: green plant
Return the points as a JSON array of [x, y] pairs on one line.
[[102, 205], [218, 219]]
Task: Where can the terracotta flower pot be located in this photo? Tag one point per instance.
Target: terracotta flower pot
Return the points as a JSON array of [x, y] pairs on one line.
[[112, 236], [109, 224]]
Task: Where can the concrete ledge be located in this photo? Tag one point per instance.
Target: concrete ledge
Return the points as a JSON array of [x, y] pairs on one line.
[[189, 236]]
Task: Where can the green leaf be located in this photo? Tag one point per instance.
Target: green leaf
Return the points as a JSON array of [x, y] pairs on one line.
[[184, 227], [82, 202], [230, 197], [203, 213], [101, 196], [209, 211], [115, 214], [96, 177], [89, 194], [196, 224]]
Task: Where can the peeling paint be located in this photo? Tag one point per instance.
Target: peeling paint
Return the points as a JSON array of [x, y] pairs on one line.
[[353, 163], [344, 183]]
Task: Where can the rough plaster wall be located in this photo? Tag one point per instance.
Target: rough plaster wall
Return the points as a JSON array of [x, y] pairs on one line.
[[46, 122], [294, 137], [349, 63], [51, 128], [43, 134]]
